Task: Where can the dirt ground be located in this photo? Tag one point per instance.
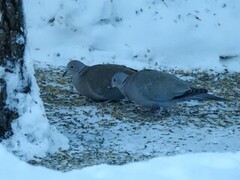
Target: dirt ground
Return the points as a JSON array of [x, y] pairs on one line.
[[119, 133]]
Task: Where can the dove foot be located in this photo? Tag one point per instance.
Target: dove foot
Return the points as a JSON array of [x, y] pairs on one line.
[[160, 111]]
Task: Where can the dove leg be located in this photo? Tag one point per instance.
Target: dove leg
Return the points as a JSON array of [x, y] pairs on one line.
[[159, 111]]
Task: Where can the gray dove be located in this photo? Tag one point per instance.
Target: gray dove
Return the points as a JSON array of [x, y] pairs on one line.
[[158, 89], [94, 82]]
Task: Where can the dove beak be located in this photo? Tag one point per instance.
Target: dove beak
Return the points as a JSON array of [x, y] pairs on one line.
[[109, 86], [113, 86], [64, 74]]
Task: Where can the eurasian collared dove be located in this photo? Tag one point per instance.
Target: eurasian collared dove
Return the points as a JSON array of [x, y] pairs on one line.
[[94, 82], [158, 89]]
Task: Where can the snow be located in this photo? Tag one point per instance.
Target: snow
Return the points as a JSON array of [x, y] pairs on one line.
[[20, 39], [189, 166], [33, 136], [183, 34], [141, 34]]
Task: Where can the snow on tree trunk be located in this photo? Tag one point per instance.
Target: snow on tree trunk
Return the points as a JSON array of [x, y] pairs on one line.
[[12, 45]]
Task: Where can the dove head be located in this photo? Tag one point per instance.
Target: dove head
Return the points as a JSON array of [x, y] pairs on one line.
[[74, 67], [119, 79]]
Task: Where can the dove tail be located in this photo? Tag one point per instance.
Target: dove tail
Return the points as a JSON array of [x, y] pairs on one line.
[[199, 94], [206, 96]]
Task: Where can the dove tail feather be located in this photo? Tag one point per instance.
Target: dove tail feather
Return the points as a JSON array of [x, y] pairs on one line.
[[208, 97], [199, 94]]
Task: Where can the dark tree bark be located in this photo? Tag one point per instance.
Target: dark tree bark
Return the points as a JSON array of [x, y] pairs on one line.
[[12, 45]]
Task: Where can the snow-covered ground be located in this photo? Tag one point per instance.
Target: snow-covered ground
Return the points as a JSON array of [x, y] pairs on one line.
[[205, 166], [141, 34], [138, 33]]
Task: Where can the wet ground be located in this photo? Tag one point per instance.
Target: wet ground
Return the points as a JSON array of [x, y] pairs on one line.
[[118, 133]]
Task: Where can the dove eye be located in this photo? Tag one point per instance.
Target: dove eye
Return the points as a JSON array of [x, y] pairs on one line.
[[71, 66], [114, 80]]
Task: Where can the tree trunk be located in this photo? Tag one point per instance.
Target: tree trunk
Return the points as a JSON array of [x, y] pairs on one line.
[[12, 45]]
